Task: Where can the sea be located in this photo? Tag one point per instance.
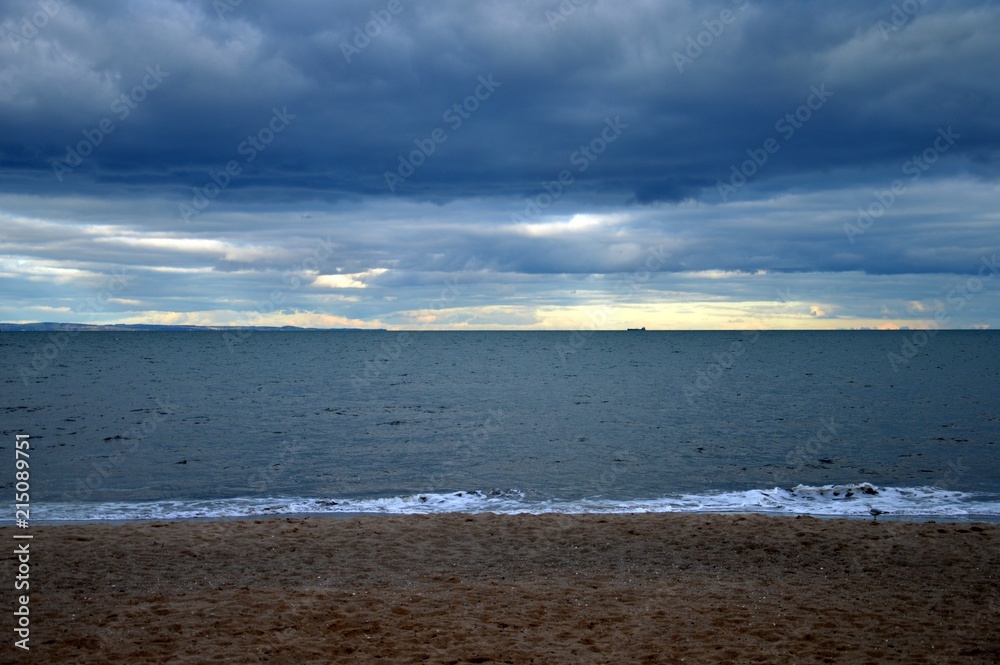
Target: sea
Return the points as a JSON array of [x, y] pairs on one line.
[[219, 424]]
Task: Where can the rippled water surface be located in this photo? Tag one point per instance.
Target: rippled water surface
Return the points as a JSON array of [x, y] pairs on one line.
[[538, 418]]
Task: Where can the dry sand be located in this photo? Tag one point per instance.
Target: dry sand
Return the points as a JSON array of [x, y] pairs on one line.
[[514, 589]]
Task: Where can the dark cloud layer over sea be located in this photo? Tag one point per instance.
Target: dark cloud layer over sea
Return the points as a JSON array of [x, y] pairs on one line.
[[544, 164]]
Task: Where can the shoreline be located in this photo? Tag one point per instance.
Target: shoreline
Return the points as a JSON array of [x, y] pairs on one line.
[[884, 518], [555, 588]]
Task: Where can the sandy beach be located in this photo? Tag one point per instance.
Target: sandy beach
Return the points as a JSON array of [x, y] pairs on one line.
[[514, 589]]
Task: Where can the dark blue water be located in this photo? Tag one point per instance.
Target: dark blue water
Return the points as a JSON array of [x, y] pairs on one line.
[[185, 423]]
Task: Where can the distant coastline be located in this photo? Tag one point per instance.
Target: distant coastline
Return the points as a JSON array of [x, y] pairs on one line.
[[136, 327]]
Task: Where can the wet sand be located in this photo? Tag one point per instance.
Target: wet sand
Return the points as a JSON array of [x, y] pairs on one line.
[[513, 589]]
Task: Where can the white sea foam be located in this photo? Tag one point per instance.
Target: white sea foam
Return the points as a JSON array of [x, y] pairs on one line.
[[827, 500]]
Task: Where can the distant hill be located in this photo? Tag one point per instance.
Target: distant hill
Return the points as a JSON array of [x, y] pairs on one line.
[[130, 327]]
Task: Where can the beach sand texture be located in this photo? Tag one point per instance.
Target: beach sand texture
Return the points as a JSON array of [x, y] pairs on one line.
[[460, 588]]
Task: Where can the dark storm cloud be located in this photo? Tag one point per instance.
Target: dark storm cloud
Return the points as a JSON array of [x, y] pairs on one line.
[[559, 77]]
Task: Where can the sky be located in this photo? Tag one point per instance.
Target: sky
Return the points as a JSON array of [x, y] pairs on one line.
[[504, 164]]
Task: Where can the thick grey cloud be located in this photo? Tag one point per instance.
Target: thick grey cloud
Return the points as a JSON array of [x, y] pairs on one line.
[[741, 137], [224, 75]]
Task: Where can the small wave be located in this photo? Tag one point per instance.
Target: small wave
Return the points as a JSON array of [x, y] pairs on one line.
[[828, 500]]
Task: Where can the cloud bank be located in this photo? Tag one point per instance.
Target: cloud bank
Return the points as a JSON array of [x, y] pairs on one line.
[[543, 164]]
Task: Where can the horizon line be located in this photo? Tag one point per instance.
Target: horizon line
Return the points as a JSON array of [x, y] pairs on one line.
[[61, 326]]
